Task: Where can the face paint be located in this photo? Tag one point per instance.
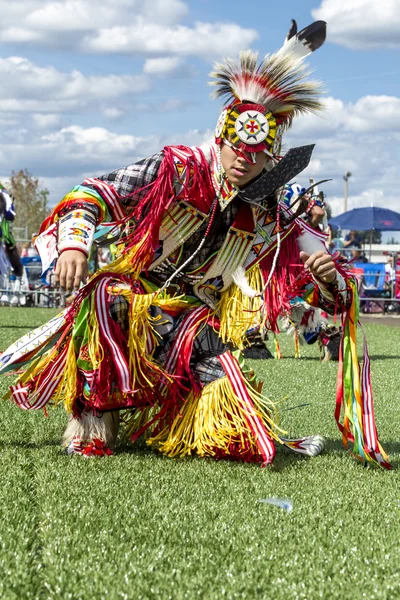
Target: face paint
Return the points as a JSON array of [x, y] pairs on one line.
[[251, 161]]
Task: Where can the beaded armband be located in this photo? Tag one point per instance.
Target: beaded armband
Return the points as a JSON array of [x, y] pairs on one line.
[[76, 231]]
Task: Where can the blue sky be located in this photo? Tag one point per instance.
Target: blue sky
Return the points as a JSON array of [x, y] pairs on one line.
[[88, 87]]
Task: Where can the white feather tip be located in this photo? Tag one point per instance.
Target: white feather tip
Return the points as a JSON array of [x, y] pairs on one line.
[[240, 279]]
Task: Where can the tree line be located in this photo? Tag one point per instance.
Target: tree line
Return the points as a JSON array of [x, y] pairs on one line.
[[30, 201]]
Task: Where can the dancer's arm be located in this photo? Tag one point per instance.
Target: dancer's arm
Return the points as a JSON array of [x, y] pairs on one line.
[[321, 265], [106, 198], [329, 287]]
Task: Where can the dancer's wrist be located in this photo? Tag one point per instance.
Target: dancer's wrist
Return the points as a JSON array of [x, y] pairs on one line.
[[76, 231]]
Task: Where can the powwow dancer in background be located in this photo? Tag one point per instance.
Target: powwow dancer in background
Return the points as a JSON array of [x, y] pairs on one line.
[[9, 257], [307, 324], [208, 249]]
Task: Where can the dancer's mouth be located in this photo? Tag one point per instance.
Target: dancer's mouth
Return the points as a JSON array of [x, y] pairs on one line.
[[239, 172]]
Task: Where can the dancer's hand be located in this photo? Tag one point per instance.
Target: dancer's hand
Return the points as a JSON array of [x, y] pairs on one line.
[[321, 265], [71, 269]]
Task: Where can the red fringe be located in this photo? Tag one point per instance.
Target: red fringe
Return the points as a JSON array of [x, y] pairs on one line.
[[285, 279], [240, 451], [148, 213]]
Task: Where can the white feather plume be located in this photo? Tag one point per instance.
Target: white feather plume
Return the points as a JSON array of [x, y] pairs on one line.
[[240, 279], [296, 48], [279, 82], [301, 44]]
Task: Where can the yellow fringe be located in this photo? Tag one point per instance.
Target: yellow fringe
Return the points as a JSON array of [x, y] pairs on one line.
[[127, 263], [35, 369], [140, 327], [66, 390], [296, 344], [277, 351], [138, 419], [214, 421], [178, 439], [238, 313], [95, 349]]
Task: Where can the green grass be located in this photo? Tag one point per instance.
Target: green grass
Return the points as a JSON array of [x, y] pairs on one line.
[[140, 526]]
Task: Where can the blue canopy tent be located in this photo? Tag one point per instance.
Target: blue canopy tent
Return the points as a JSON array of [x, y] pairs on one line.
[[368, 219]]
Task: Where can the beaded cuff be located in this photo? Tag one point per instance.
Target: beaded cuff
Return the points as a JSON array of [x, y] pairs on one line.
[[76, 231]]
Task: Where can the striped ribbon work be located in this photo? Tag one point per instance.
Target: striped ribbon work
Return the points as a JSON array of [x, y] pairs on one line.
[[235, 376]]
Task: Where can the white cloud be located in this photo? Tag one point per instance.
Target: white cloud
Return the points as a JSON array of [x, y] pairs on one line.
[[20, 35], [361, 24], [28, 87], [204, 39], [46, 121], [113, 113], [361, 137], [135, 27], [168, 65], [45, 16], [367, 115], [105, 147], [95, 141]]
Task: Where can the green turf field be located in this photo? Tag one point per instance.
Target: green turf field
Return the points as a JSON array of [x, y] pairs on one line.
[[140, 526]]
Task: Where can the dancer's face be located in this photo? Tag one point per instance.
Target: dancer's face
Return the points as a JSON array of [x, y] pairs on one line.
[[238, 170]]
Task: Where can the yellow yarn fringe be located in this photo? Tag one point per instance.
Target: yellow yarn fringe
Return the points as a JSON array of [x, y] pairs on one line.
[[140, 327], [277, 351], [138, 419], [214, 421], [66, 390], [95, 349], [238, 313], [127, 262], [296, 344]]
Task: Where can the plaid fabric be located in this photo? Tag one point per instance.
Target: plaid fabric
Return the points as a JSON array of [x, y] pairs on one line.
[[134, 177], [208, 370], [204, 362], [207, 345], [119, 311]]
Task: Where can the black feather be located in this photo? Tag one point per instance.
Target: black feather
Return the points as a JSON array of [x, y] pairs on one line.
[[313, 35], [292, 31]]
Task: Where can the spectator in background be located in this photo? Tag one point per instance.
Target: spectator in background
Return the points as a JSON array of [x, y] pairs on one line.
[[31, 251], [353, 240], [358, 256], [24, 251]]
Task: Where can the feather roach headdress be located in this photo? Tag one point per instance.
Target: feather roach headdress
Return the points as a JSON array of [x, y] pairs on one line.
[[264, 97]]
